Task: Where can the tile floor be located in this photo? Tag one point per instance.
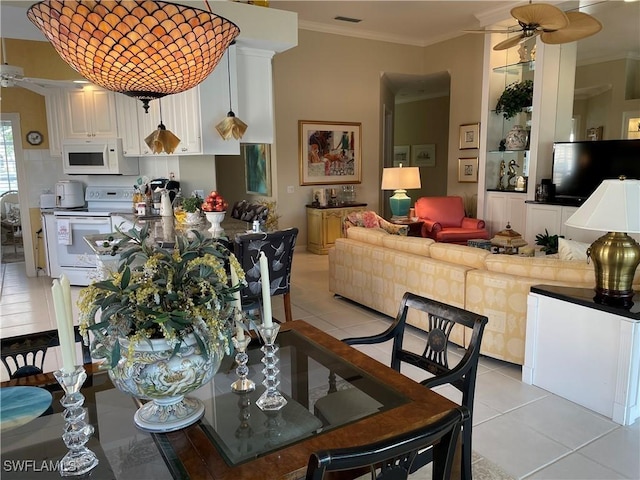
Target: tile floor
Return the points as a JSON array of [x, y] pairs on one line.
[[528, 432]]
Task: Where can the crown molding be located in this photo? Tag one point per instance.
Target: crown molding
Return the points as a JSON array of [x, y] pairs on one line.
[[608, 58]]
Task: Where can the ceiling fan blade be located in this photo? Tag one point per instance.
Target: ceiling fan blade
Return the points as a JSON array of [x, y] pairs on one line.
[[581, 26], [544, 15], [508, 43]]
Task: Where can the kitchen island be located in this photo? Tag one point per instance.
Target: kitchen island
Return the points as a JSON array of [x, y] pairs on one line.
[[163, 230]]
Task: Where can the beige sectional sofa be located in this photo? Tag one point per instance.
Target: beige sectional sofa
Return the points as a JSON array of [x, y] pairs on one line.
[[375, 269]]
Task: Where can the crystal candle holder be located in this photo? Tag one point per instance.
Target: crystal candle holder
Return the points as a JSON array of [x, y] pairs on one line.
[[242, 384], [271, 399], [79, 459]]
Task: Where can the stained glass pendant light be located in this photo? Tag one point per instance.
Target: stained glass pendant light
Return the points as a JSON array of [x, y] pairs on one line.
[[231, 126], [144, 49], [161, 139]]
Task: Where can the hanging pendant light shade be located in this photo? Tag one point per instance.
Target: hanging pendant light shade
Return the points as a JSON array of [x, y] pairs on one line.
[[231, 126], [144, 49], [161, 139]]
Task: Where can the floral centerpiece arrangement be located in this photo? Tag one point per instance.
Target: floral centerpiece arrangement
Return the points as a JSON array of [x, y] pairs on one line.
[[162, 322]]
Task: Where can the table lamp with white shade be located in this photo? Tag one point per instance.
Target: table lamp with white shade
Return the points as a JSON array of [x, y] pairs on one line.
[[614, 208], [400, 179]]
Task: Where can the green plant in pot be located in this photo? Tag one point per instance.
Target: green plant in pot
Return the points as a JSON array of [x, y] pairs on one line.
[[515, 97], [549, 243], [192, 204]]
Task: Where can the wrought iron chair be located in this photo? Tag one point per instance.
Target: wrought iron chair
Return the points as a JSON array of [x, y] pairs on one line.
[[10, 218], [278, 247], [394, 458], [442, 319], [24, 355]]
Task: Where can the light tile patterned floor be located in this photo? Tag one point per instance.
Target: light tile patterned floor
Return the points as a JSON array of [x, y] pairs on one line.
[[526, 431]]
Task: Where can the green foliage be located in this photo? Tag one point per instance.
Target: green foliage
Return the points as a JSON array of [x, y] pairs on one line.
[[161, 293], [515, 97], [191, 204], [549, 243]]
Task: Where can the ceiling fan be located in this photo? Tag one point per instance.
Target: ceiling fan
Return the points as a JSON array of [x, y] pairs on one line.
[[552, 24], [13, 76]]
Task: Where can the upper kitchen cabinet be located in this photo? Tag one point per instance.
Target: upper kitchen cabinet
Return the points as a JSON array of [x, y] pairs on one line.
[[54, 103], [127, 124], [90, 113], [255, 94]]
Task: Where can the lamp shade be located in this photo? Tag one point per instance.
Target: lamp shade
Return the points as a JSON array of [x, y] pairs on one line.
[[400, 178], [144, 49], [613, 207]]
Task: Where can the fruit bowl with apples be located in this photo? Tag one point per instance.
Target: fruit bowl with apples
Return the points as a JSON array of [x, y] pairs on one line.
[[215, 208]]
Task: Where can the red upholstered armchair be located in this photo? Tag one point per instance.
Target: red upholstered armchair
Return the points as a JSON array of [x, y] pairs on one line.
[[444, 220]]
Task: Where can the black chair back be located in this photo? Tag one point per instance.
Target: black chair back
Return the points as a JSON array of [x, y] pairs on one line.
[[24, 355], [434, 359], [278, 247], [393, 458]]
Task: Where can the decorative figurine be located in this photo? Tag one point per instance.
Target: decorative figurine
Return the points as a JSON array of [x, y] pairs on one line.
[[503, 172], [512, 174]]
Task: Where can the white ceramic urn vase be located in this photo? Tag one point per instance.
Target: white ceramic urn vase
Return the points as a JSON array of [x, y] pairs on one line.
[[517, 138]]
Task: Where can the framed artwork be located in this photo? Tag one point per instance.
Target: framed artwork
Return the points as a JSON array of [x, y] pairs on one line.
[[468, 170], [257, 168], [595, 133], [330, 152], [469, 136], [423, 155], [401, 155]]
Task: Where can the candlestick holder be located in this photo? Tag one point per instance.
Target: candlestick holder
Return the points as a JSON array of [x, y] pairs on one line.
[[242, 384], [271, 399], [79, 459]]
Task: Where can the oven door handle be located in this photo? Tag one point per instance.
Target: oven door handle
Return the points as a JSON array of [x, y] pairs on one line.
[[87, 221]]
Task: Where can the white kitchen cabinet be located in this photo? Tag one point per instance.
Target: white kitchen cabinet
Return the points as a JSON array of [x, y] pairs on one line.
[[127, 124], [503, 208], [184, 121], [54, 104], [148, 122], [255, 94], [91, 113], [214, 106]]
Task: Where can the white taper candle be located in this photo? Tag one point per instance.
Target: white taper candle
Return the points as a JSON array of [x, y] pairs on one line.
[[267, 319], [236, 295], [65, 334]]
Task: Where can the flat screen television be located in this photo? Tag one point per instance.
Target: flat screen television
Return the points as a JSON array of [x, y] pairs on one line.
[[579, 167]]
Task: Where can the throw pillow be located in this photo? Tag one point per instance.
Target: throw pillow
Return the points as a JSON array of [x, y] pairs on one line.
[[572, 250]]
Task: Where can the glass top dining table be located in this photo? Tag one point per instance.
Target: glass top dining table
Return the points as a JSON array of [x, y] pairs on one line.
[[234, 439]]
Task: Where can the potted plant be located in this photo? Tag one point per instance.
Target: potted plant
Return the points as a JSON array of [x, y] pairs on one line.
[[515, 97], [162, 322], [192, 206], [548, 242]]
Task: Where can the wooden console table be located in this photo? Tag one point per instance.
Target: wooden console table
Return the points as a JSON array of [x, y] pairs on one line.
[[583, 351], [324, 225]]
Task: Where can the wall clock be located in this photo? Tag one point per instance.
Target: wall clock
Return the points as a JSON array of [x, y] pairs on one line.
[[34, 137]]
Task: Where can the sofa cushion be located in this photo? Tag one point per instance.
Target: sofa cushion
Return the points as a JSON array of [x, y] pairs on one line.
[[572, 271], [572, 250], [417, 245], [448, 211], [460, 235], [459, 254], [367, 235]]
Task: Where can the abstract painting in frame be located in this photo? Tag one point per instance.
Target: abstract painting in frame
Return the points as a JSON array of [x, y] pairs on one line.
[[257, 167], [330, 152]]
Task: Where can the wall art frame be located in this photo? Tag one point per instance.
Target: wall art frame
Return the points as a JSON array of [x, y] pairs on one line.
[[401, 155], [423, 155], [330, 152], [469, 136], [257, 168], [468, 170]]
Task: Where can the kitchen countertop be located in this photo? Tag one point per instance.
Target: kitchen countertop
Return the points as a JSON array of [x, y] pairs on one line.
[[163, 230]]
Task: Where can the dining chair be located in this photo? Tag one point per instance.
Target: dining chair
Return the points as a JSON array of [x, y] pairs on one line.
[[394, 457], [278, 247], [434, 359], [24, 355]]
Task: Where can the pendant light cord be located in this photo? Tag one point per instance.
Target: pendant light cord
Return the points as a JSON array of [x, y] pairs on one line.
[[229, 78]]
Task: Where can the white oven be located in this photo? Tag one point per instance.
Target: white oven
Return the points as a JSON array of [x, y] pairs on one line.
[[67, 251]]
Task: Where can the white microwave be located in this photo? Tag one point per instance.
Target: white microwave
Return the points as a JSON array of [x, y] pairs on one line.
[[100, 156]]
